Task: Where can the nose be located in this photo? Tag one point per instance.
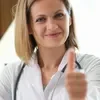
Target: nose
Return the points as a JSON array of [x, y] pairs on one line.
[[52, 24]]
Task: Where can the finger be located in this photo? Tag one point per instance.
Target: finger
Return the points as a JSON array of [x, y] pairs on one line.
[[71, 60], [76, 76]]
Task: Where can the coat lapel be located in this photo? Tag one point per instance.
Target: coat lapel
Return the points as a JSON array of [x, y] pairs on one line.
[[33, 75]]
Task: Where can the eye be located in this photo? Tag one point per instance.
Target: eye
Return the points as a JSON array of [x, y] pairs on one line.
[[42, 19], [59, 15]]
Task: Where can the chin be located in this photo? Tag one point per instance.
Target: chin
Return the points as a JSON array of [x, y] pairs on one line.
[[54, 45]]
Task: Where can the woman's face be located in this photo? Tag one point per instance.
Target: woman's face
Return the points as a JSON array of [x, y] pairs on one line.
[[50, 23]]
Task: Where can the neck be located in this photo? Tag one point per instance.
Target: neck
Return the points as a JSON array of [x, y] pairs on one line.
[[50, 57]]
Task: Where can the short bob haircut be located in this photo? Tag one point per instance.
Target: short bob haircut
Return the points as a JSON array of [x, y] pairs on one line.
[[25, 43]]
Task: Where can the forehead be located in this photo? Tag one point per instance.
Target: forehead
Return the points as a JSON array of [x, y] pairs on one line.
[[46, 6]]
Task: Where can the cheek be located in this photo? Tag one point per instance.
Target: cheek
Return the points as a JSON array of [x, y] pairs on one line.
[[65, 27], [39, 30], [38, 33], [65, 24]]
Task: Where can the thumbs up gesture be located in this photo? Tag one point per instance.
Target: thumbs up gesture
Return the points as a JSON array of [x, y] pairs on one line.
[[75, 82]]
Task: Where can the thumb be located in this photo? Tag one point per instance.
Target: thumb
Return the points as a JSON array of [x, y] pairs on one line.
[[71, 60]]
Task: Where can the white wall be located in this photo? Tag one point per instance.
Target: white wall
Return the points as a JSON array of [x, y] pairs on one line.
[[88, 20], [7, 50]]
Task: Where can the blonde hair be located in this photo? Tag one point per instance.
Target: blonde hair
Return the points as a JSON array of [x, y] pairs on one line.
[[24, 42]]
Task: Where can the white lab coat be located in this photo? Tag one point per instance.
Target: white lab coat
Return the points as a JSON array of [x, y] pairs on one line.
[[30, 85]]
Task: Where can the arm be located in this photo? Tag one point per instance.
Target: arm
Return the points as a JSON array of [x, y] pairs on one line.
[[5, 84], [92, 71]]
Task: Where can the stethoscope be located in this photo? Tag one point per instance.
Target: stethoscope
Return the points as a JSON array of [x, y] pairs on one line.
[[20, 73]]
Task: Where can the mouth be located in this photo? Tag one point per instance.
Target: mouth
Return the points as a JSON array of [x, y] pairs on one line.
[[52, 35]]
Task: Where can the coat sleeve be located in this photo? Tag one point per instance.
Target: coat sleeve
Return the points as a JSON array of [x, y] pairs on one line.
[[91, 65], [5, 84]]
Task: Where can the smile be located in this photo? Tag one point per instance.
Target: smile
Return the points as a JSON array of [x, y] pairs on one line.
[[53, 35]]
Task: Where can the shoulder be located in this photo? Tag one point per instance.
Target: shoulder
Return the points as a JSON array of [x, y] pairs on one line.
[[85, 57], [10, 70], [8, 77], [88, 61], [14, 68]]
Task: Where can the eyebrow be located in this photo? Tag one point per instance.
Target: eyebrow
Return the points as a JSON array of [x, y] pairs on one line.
[[58, 11], [54, 13]]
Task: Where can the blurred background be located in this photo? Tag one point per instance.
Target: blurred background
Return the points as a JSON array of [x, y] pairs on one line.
[[87, 18]]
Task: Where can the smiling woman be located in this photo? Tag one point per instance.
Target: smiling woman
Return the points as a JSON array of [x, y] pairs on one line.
[[50, 69], [48, 26]]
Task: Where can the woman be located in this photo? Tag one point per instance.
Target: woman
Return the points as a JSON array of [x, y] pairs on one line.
[[49, 69]]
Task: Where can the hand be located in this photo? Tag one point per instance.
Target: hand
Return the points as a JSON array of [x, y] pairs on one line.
[[75, 82]]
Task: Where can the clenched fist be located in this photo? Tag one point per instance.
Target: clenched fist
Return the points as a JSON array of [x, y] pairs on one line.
[[75, 82]]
